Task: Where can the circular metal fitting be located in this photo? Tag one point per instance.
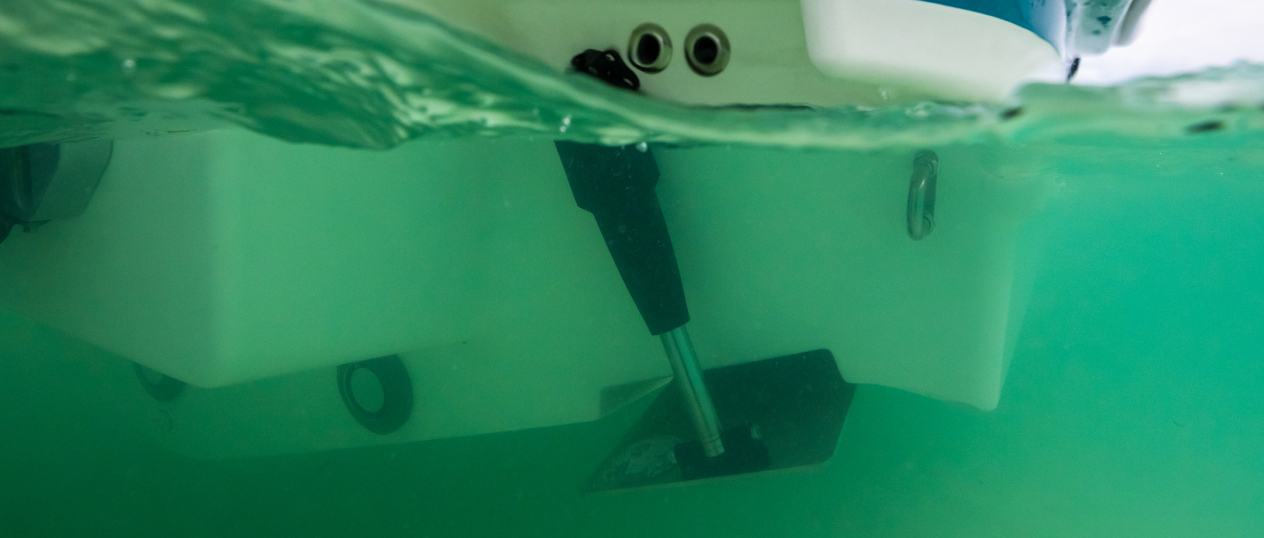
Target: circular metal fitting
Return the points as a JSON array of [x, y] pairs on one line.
[[707, 49], [650, 48], [384, 400], [160, 386]]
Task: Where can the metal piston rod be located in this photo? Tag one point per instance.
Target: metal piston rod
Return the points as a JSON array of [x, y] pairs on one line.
[[693, 391], [616, 185]]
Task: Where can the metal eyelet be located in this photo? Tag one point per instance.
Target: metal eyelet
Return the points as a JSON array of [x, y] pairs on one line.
[[707, 49], [650, 48], [921, 197]]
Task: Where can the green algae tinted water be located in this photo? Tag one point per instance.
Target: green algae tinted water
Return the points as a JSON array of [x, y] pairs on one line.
[[1131, 408]]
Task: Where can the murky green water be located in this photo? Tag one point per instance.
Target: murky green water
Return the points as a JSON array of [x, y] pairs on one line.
[[1132, 406]]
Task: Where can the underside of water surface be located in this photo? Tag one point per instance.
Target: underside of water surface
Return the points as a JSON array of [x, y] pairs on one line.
[[371, 74]]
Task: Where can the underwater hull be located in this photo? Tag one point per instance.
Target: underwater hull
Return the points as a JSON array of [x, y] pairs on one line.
[[226, 258]]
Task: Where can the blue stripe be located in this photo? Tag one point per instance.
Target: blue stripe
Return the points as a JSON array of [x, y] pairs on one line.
[[1045, 18]]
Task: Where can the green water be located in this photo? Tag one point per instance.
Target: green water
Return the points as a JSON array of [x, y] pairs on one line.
[[1132, 405], [1132, 408]]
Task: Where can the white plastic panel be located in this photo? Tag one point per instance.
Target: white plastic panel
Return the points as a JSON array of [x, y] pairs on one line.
[[225, 257], [818, 52], [950, 52]]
